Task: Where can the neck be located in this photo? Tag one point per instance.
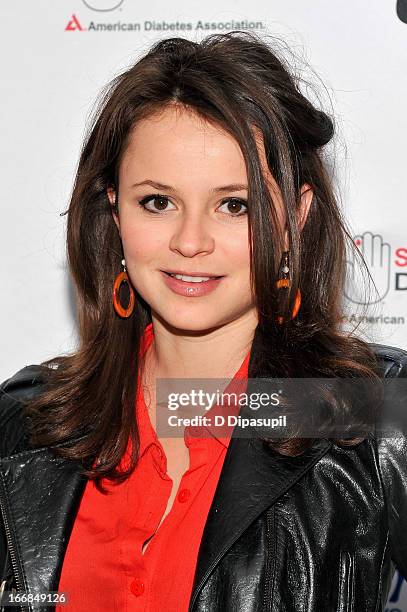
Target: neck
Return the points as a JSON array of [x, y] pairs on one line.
[[214, 353]]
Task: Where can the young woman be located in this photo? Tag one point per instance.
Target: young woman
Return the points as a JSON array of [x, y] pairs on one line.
[[205, 242]]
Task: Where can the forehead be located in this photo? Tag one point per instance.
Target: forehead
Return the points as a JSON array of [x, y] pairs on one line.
[[180, 131], [177, 138]]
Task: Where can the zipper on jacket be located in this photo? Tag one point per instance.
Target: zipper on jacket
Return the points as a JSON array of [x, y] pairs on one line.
[[13, 553], [270, 561]]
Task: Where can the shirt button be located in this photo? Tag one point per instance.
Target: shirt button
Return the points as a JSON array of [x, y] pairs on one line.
[[137, 587], [184, 495]]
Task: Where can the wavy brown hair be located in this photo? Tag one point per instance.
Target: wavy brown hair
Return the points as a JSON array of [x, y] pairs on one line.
[[238, 81]]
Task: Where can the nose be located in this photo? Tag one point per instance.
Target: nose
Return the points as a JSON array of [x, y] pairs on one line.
[[192, 235]]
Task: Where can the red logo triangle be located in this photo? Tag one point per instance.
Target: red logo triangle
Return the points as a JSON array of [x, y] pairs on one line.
[[74, 24]]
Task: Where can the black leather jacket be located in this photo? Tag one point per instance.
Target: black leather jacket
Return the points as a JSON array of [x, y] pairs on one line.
[[322, 531]]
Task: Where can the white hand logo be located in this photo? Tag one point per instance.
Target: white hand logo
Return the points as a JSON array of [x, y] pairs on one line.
[[376, 254]]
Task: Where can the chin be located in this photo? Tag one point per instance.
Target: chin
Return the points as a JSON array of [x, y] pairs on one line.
[[191, 322]]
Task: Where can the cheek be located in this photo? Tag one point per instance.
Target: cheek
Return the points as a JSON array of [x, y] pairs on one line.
[[237, 250], [141, 244]]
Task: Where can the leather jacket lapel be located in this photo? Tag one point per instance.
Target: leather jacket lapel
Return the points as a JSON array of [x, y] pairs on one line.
[[251, 481], [39, 517]]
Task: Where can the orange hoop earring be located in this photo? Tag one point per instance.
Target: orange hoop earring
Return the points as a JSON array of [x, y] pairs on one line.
[[285, 282], [121, 278]]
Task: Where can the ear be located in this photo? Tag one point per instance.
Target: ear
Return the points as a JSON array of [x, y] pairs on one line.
[[306, 199], [111, 194], [307, 195]]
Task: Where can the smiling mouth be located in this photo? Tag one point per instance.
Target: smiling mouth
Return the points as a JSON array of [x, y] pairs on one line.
[[191, 279]]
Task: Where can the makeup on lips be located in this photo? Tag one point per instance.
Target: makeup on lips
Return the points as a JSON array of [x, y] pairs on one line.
[[191, 285]]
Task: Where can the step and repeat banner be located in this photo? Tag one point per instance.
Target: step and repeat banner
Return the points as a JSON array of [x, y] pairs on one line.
[[57, 56]]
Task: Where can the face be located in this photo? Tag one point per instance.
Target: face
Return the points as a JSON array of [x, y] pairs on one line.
[[183, 208]]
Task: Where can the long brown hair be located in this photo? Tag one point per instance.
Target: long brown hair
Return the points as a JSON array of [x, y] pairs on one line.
[[237, 81]]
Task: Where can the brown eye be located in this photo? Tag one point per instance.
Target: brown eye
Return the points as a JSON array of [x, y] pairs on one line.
[[162, 202], [234, 206]]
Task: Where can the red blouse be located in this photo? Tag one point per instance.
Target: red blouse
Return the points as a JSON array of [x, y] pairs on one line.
[[104, 568]]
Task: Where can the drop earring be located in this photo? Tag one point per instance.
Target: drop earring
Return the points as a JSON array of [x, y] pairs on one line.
[[122, 277], [284, 281]]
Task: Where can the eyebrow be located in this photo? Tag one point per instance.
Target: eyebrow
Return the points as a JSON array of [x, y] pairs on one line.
[[162, 186]]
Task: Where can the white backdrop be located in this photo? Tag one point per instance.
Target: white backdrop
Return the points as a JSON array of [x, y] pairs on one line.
[[56, 56]]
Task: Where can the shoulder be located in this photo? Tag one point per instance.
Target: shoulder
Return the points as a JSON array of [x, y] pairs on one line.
[[392, 359], [24, 383], [15, 392]]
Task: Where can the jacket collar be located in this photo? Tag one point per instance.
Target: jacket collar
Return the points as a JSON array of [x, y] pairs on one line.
[[39, 527]]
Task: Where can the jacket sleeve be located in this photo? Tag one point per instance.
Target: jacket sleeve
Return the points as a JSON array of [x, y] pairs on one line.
[[392, 457]]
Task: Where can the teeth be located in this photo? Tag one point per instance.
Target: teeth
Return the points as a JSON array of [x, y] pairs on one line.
[[192, 279]]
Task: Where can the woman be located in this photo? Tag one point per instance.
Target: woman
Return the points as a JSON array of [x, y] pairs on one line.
[[204, 160]]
